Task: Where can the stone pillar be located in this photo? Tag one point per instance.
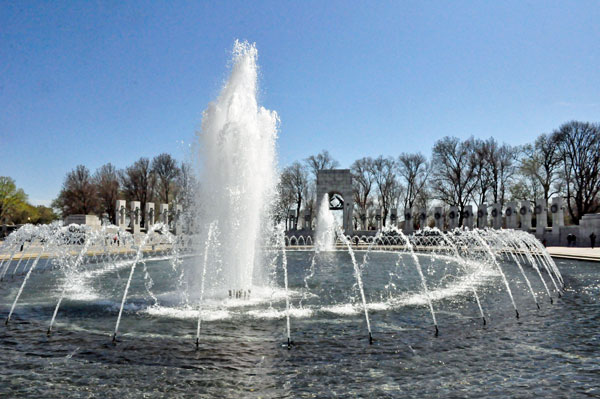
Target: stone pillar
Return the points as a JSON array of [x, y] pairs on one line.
[[307, 219], [378, 218], [558, 214], [363, 220], [149, 215], [177, 220], [453, 218], [164, 214], [135, 216], [482, 216], [394, 217], [408, 221], [497, 216], [511, 215], [541, 214], [468, 217], [292, 219], [525, 215], [422, 218], [121, 212], [438, 217]]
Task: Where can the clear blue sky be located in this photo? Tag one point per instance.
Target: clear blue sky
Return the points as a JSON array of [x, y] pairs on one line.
[[94, 82]]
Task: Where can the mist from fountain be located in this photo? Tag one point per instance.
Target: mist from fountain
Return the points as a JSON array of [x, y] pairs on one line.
[[238, 174], [326, 227]]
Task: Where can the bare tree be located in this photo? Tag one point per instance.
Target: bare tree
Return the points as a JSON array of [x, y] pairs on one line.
[[138, 182], [540, 163], [78, 193], [186, 186], [579, 146], [322, 160], [363, 179], [166, 170], [414, 170], [484, 152], [106, 179], [454, 169], [383, 170], [294, 179], [501, 168]]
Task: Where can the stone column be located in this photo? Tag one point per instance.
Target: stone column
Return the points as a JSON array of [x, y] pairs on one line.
[[378, 218], [121, 211], [511, 215], [468, 217], [177, 220], [496, 216], [482, 216], [408, 221], [394, 217], [422, 218], [307, 219], [558, 214], [363, 220], [135, 216], [453, 218], [525, 215], [149, 214], [164, 214], [438, 217], [541, 214], [292, 219]]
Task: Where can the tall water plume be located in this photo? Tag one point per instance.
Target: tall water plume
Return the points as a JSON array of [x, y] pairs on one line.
[[237, 165], [325, 233]]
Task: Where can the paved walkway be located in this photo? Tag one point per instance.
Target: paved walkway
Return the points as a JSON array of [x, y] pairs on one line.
[[588, 254]]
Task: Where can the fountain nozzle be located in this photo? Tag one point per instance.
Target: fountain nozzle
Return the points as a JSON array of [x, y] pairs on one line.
[[551, 301], [49, 332], [114, 338], [538, 305], [484, 321], [437, 331], [289, 344], [517, 313], [370, 339], [197, 343]]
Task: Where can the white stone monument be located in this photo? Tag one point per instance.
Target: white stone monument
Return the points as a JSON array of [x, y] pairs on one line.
[[408, 221], [135, 216], [511, 215], [422, 218], [496, 216], [378, 218], [149, 217], [558, 215], [178, 220], [438, 217], [307, 219], [121, 213], [453, 218], [525, 215], [482, 216], [164, 213], [541, 215], [394, 217], [468, 217]]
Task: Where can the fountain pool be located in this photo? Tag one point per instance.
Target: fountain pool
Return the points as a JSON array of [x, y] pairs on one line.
[[233, 310]]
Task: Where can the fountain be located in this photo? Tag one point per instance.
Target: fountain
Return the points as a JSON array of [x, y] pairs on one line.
[[326, 228], [238, 285]]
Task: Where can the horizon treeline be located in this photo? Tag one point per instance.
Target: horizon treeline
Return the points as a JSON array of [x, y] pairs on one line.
[[565, 162], [162, 179]]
